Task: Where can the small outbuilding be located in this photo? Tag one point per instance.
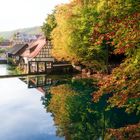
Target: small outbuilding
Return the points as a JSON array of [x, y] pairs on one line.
[[14, 53]]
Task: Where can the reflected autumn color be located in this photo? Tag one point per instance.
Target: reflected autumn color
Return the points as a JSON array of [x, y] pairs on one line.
[[77, 117]]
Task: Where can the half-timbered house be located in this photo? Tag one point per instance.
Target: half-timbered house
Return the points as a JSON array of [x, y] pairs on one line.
[[37, 57]]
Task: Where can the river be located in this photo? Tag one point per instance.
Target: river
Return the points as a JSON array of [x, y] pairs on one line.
[[4, 69], [22, 115], [55, 108]]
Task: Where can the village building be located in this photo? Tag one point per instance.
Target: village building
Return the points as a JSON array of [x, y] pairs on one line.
[[22, 38], [5, 44], [14, 53], [34, 57], [37, 57]]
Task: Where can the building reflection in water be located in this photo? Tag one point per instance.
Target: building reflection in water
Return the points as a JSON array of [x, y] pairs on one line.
[[74, 113], [41, 83]]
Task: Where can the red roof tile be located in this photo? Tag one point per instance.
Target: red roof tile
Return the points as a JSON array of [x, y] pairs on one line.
[[34, 48]]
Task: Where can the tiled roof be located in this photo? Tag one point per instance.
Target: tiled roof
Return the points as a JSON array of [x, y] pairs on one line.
[[17, 48], [36, 46]]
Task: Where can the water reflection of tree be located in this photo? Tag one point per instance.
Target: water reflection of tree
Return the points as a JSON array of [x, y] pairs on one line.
[[77, 117]]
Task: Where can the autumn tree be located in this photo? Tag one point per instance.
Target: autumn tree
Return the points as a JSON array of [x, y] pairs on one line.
[[49, 25], [77, 117]]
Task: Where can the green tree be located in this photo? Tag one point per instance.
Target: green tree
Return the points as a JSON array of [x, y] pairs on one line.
[[1, 39], [49, 25]]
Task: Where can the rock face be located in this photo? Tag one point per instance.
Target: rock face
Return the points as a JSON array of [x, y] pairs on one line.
[[90, 72], [77, 67], [84, 71], [87, 72]]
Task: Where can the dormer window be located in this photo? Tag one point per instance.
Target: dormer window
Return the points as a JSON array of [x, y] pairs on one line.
[[33, 48]]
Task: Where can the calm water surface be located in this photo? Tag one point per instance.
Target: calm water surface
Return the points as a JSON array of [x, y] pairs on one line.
[[4, 69], [22, 116], [56, 108]]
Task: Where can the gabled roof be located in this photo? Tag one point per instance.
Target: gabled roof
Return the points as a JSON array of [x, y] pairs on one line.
[[17, 48], [36, 46]]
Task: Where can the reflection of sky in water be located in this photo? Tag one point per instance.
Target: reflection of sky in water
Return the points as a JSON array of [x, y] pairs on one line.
[[3, 69], [22, 116]]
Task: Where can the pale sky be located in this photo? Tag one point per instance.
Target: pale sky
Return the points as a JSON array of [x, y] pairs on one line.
[[16, 14]]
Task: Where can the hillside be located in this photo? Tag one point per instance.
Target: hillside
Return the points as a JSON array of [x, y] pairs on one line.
[[32, 30]]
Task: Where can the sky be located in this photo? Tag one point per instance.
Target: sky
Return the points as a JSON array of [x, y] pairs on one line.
[[15, 14]]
